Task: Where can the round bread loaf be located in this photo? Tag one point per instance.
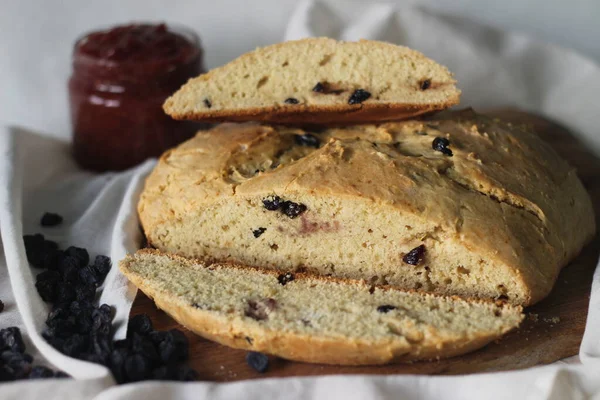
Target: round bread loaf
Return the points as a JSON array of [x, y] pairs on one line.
[[457, 204]]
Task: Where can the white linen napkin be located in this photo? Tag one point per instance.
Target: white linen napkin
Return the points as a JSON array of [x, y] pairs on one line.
[[493, 68]]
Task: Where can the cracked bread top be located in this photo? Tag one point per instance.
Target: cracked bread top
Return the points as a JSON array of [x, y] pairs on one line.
[[498, 189]]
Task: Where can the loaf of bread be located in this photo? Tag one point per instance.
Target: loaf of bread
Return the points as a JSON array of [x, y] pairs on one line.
[[457, 204], [318, 80], [314, 319]]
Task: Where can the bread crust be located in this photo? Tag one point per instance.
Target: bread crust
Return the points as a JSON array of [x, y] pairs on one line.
[[304, 347], [317, 115]]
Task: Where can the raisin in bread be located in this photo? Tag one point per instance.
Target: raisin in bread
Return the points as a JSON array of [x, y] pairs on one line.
[[314, 319], [318, 80], [457, 204]]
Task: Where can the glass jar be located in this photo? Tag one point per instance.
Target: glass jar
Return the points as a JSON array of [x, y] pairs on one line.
[[120, 79]]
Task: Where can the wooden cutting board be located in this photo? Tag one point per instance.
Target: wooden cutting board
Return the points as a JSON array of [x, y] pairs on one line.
[[552, 330]]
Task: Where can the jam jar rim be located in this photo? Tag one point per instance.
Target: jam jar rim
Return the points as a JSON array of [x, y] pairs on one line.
[[188, 33]]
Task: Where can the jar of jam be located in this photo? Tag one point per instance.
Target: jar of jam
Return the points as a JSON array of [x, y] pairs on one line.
[[120, 79]]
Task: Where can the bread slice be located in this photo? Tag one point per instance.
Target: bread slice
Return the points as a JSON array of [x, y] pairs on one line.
[[494, 214], [318, 80], [320, 320]]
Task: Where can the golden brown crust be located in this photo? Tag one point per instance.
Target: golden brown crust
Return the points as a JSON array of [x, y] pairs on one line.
[[302, 347], [317, 115]]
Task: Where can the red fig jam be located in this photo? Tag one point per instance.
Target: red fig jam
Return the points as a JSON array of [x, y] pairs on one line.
[[120, 79]]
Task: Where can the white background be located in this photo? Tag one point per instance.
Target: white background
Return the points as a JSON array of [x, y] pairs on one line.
[[36, 37]]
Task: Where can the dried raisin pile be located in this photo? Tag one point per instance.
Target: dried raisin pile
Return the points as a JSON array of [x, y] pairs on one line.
[[78, 327], [15, 363]]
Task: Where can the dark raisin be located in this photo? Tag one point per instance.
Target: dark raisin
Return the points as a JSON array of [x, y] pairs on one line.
[[68, 267], [62, 328], [441, 144], [143, 345], [55, 342], [80, 254], [85, 293], [174, 347], [385, 308], [49, 244], [258, 232], [292, 209], [33, 247], [65, 293], [414, 256], [102, 265], [157, 336], [425, 84], [359, 96], [64, 261], [61, 312], [122, 343], [11, 339], [137, 367], [10, 357], [50, 255], [140, 324], [7, 373], [184, 373], [307, 140], [284, 279], [101, 345], [164, 373], [81, 307], [74, 345], [258, 361], [207, 103], [89, 276], [51, 219], [272, 203], [84, 322], [117, 363], [41, 372], [1, 306], [101, 322], [46, 285], [105, 311], [18, 363], [291, 100], [326, 88]]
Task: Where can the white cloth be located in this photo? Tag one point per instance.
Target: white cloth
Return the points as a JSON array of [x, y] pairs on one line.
[[493, 69]]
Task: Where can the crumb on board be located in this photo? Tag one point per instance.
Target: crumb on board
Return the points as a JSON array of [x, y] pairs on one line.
[[552, 320], [533, 317]]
